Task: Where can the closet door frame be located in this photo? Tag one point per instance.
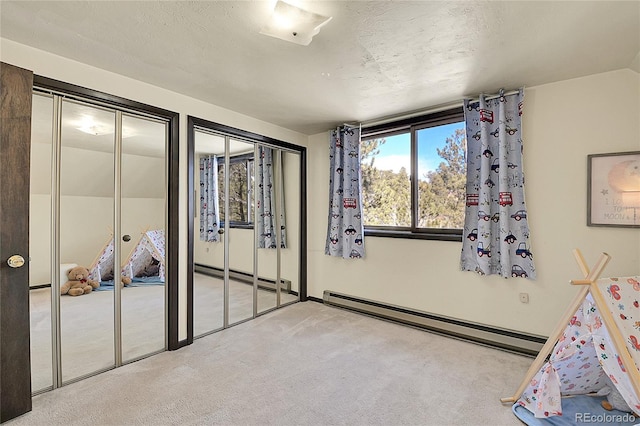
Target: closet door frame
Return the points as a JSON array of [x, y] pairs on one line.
[[173, 157], [192, 124]]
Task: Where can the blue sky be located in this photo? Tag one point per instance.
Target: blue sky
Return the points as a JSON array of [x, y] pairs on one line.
[[395, 153]]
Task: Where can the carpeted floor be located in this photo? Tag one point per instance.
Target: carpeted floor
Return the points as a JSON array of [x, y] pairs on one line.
[[305, 364]]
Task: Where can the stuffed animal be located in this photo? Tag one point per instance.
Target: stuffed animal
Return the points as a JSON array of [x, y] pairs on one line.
[[614, 400], [79, 282], [123, 279], [151, 270]]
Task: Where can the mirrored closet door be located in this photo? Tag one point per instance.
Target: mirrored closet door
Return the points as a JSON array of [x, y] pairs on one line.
[[142, 230], [290, 254], [97, 241], [239, 208], [86, 217], [209, 252], [247, 239]]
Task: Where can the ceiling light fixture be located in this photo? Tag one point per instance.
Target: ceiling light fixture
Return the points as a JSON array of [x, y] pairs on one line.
[[290, 23]]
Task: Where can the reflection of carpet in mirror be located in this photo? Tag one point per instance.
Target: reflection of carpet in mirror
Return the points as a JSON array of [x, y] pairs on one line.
[[87, 337], [87, 323], [208, 302]]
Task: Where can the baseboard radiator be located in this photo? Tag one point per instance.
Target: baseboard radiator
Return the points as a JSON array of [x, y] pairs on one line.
[[510, 340], [263, 283]]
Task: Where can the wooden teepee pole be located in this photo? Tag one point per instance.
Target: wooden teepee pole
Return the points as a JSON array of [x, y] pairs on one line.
[[555, 335], [97, 258]]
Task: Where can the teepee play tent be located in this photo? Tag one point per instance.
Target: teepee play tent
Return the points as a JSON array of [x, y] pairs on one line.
[[146, 259], [596, 344], [102, 267], [146, 256]]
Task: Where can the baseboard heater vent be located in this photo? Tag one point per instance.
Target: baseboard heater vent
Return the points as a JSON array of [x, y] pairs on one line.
[[263, 283], [510, 340]]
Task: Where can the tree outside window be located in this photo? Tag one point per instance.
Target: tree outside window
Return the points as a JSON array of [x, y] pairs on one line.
[[414, 178], [240, 194]]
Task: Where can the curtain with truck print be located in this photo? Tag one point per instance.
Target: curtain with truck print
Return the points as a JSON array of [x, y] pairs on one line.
[[345, 228], [266, 206], [209, 205], [496, 230]]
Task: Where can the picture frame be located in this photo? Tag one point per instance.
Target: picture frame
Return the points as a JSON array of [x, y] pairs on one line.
[[613, 189]]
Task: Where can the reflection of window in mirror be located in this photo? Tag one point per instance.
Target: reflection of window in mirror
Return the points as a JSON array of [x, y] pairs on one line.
[[240, 194]]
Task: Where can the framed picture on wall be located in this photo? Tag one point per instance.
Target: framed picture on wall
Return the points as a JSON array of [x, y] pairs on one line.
[[613, 189]]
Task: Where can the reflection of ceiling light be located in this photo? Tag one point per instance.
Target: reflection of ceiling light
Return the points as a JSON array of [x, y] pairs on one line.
[[91, 127], [96, 130], [293, 24]]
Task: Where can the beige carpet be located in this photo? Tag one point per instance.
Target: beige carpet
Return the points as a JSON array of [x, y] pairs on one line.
[[305, 364]]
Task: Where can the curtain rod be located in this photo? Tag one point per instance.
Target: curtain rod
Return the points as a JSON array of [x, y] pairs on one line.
[[497, 95], [432, 110]]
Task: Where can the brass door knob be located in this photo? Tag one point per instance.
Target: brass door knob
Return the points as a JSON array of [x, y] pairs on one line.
[[15, 261]]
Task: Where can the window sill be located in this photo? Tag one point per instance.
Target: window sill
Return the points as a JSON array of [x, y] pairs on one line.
[[237, 225], [448, 235]]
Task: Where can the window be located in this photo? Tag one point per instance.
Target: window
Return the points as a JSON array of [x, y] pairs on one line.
[[240, 190], [414, 177]]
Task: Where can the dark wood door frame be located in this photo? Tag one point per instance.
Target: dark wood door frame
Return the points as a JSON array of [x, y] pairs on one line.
[[16, 85]]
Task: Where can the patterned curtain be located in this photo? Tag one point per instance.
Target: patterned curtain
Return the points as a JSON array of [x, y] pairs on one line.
[[345, 230], [267, 199], [496, 230], [209, 207]]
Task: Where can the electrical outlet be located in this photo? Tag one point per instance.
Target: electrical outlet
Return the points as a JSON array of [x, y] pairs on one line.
[[524, 297]]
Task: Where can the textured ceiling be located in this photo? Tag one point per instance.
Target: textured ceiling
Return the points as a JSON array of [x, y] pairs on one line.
[[373, 59]]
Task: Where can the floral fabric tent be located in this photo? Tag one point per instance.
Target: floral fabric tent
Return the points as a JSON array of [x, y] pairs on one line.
[[149, 250], [102, 267], [589, 351]]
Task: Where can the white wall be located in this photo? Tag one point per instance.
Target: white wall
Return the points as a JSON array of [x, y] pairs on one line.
[[563, 122], [59, 68]]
